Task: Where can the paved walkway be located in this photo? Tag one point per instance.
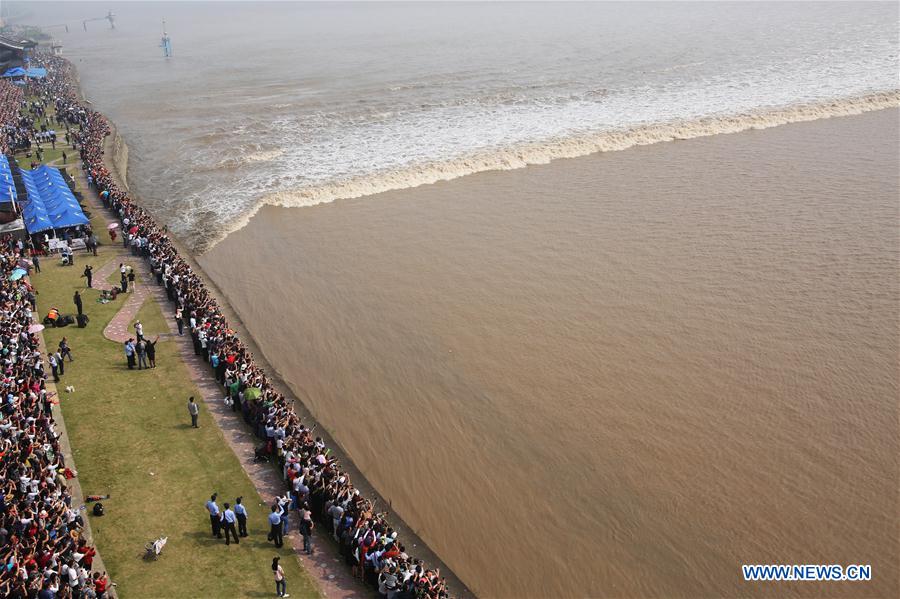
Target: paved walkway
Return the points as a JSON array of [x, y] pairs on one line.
[[325, 566], [118, 329]]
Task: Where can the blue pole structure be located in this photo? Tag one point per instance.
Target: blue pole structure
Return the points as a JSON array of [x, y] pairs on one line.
[[166, 43]]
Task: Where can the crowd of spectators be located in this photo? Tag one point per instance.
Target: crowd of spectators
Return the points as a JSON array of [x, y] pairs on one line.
[[43, 549], [314, 477], [11, 98]]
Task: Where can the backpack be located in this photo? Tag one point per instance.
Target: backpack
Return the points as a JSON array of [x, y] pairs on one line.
[[98, 509]]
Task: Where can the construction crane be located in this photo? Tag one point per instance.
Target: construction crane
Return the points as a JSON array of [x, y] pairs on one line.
[[109, 17]]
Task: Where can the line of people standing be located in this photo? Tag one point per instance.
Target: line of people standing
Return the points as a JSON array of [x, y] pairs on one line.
[[232, 520]]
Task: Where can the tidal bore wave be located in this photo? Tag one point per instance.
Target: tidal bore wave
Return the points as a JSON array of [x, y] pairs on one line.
[[543, 152]]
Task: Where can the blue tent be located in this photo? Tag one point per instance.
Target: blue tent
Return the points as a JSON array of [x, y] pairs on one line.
[[7, 185], [51, 204], [37, 72]]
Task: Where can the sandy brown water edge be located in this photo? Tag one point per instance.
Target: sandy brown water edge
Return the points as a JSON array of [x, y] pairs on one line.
[[116, 160], [618, 375]]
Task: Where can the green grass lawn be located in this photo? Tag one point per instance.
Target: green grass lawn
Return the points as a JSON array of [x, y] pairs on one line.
[[130, 432]]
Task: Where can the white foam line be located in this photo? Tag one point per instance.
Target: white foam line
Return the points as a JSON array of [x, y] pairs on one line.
[[543, 153]]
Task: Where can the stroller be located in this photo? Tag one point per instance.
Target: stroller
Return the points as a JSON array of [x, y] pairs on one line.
[[153, 549]]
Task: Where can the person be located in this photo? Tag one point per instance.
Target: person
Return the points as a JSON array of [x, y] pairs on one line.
[[123, 272], [54, 367], [131, 278], [36, 262], [275, 534], [65, 350], [151, 351], [77, 299], [89, 275], [194, 411], [214, 519], [336, 512], [179, 320], [141, 350], [228, 520], [241, 512], [129, 353], [60, 363], [139, 330], [284, 505], [280, 582], [101, 584], [387, 582], [306, 528]]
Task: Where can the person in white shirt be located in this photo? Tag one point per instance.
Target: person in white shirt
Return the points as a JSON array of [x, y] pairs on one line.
[[241, 512], [214, 519], [280, 582], [228, 520]]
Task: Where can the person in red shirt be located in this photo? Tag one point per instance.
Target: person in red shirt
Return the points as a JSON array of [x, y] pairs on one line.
[[88, 552], [101, 584]]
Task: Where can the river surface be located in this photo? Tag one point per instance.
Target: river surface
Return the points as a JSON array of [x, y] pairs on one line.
[[295, 104], [616, 375]]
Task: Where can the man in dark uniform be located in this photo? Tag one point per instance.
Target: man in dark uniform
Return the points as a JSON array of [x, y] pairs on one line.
[[89, 275], [77, 299]]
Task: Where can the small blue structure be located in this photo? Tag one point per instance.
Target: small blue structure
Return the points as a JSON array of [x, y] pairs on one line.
[[166, 42], [7, 183]]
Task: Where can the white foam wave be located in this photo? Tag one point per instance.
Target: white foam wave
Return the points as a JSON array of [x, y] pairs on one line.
[[526, 154], [263, 155], [245, 159]]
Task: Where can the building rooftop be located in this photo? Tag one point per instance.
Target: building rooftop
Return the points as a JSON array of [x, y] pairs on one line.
[[13, 44]]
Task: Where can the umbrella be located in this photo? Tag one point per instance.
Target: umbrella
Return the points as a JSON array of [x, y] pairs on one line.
[[36, 328], [252, 393], [18, 274], [112, 226]]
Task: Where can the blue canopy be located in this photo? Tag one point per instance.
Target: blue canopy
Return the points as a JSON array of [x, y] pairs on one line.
[[51, 204], [37, 72], [7, 185]]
